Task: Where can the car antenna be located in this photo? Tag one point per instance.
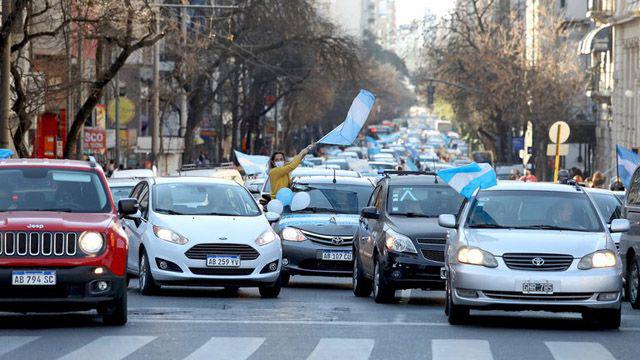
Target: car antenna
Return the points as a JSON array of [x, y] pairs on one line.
[[334, 176]]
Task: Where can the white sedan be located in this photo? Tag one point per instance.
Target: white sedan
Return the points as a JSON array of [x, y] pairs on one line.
[[202, 231]]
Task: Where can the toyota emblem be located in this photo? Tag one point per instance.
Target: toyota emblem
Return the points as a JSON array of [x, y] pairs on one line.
[[336, 240], [538, 261]]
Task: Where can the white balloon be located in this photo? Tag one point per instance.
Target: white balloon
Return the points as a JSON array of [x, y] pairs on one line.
[[275, 206], [300, 201]]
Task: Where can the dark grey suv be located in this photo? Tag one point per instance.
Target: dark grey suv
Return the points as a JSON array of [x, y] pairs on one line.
[[630, 241]]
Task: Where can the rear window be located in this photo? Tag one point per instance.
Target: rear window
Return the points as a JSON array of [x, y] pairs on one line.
[[41, 189]]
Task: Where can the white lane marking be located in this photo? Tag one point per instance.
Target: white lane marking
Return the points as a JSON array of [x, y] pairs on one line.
[[109, 348], [451, 349], [10, 343], [575, 350], [347, 349], [228, 348]]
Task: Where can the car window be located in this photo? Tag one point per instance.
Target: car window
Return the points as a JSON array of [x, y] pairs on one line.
[[42, 189], [608, 205], [372, 199], [427, 201], [143, 200], [334, 198], [633, 197], [120, 192], [204, 199], [552, 210], [378, 200]]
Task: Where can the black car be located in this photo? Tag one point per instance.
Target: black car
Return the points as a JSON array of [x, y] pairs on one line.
[[317, 240], [399, 244]]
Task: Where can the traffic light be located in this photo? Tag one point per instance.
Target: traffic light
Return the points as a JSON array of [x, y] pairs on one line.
[[431, 91]]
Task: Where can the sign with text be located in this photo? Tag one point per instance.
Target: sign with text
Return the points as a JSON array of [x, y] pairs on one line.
[[95, 140]]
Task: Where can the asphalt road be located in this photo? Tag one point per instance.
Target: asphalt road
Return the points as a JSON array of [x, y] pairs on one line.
[[315, 318]]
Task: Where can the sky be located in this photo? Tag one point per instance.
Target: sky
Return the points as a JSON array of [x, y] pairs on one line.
[[409, 10]]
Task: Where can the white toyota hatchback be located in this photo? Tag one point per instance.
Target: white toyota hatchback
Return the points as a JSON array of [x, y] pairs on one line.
[[202, 232]]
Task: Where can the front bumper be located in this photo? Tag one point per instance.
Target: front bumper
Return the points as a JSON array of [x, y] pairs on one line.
[[305, 258], [75, 290], [501, 288], [407, 271], [194, 272]]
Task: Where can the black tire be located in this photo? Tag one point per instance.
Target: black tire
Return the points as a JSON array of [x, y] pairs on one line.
[[604, 319], [270, 291], [633, 283], [383, 293], [456, 314], [362, 286], [115, 314], [284, 278], [146, 283]]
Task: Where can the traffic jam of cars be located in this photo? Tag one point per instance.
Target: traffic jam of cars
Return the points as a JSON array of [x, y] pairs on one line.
[[408, 209]]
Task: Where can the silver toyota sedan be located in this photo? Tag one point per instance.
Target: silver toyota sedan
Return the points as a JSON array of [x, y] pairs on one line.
[[533, 246]]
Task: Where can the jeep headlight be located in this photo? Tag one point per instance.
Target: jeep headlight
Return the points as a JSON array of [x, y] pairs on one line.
[[598, 259], [266, 237], [90, 242], [170, 236], [293, 234], [476, 256], [399, 243]]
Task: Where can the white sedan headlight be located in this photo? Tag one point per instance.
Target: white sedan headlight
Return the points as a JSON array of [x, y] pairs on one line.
[[598, 259], [266, 237], [90, 242], [399, 243], [476, 256], [170, 236], [293, 234]]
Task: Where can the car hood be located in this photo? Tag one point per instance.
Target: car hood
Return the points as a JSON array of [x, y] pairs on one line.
[[232, 229], [325, 224], [55, 221], [417, 227], [503, 241]]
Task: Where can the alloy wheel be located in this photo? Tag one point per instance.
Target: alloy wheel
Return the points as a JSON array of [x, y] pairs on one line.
[[143, 272], [355, 273], [633, 282]]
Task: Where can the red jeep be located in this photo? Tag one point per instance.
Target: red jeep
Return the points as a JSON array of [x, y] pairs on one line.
[[62, 247]]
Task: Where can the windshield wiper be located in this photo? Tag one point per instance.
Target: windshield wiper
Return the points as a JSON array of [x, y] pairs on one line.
[[549, 227], [489, 226], [414, 214], [170, 212]]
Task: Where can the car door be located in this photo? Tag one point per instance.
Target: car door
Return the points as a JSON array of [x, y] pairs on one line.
[[136, 229], [375, 227], [631, 239], [364, 234]]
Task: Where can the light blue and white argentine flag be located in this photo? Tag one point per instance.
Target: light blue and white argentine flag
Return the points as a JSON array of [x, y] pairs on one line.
[[252, 164], [628, 161], [5, 153], [347, 132], [467, 179]]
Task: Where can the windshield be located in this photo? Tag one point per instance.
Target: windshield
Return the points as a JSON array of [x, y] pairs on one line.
[[203, 199], [552, 210], [120, 192], [608, 205], [41, 189], [423, 201], [334, 198]]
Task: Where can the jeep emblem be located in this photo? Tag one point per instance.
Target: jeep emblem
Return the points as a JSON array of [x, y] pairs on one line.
[[35, 226]]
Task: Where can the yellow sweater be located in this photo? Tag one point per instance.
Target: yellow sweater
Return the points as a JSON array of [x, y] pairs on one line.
[[279, 176]]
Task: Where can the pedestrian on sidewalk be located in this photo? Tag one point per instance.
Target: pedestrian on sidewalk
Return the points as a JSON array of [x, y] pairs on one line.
[[528, 176], [598, 180], [279, 170]]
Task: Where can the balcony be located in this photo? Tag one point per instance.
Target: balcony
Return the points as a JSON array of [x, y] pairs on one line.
[[600, 10]]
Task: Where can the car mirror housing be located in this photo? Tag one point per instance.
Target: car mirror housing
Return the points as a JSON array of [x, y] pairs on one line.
[[128, 207], [619, 225], [272, 217], [370, 213], [447, 221]]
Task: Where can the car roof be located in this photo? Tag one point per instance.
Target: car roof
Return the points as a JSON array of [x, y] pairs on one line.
[[599, 191], [58, 163], [122, 182], [532, 186], [343, 180], [132, 174], [193, 180], [322, 171], [413, 180]]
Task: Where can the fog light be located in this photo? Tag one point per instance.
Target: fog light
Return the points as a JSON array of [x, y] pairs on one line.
[[273, 266], [102, 285], [396, 274], [608, 296], [285, 261], [162, 265], [99, 271], [467, 293]]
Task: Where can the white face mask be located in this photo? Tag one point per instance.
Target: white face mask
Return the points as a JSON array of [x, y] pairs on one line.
[[279, 163]]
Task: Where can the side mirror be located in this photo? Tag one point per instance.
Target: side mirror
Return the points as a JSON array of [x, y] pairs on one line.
[[128, 207], [619, 226], [370, 212], [272, 217], [447, 221]]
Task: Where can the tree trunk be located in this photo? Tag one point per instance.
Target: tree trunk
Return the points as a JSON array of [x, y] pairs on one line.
[[19, 107]]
